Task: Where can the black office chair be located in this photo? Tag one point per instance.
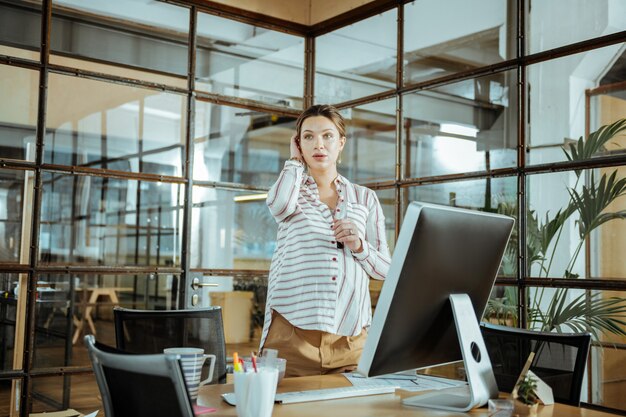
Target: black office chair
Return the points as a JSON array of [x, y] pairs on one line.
[[151, 331], [139, 385], [559, 360]]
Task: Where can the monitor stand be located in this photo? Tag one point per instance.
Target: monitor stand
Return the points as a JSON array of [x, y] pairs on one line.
[[481, 381]]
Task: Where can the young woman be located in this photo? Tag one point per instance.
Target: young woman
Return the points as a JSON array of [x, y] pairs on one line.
[[331, 239]]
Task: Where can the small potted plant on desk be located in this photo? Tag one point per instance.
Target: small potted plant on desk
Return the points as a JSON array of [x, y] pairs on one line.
[[525, 396]]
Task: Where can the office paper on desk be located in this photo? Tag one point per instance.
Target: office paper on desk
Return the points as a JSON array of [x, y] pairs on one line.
[[412, 383]]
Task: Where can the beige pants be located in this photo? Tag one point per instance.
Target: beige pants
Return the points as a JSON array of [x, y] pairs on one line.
[[313, 352]]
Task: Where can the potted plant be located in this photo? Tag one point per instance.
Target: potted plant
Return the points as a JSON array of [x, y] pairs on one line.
[[525, 396], [589, 204]]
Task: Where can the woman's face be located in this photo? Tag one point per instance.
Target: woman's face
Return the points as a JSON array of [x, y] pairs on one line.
[[321, 142]]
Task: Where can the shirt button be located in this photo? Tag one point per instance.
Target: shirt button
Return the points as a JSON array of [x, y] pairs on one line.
[[334, 259], [334, 278], [332, 242], [338, 210]]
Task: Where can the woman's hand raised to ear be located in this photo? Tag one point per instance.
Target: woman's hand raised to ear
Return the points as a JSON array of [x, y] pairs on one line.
[[295, 148]]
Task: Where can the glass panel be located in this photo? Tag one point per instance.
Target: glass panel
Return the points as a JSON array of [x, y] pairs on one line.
[[502, 306], [18, 115], [101, 221], [564, 209], [241, 60], [557, 104], [5, 396], [236, 145], [551, 24], [497, 195], [466, 126], [20, 28], [150, 36], [357, 60], [11, 210], [370, 151], [440, 40], [71, 306], [9, 287], [231, 230], [58, 393], [609, 365], [101, 125]]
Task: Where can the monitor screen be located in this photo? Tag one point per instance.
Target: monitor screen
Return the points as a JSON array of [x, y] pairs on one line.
[[440, 251]]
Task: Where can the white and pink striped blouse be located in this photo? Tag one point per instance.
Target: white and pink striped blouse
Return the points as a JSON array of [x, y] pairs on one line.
[[312, 283]]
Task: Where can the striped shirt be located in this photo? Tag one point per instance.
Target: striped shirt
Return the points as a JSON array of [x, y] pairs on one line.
[[312, 283]]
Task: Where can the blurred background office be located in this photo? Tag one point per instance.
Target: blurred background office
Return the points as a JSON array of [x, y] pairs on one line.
[[138, 139]]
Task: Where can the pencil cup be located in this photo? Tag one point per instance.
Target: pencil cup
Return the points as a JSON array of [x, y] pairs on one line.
[[279, 363], [192, 360], [255, 391]]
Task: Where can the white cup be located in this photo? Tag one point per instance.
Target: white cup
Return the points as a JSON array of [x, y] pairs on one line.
[[255, 392], [192, 360]]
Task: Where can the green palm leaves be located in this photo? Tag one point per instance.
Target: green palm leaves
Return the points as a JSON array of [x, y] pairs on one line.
[[587, 312], [590, 203], [586, 149]]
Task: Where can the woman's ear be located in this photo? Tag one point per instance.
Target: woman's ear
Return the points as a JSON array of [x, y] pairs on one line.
[[342, 141]]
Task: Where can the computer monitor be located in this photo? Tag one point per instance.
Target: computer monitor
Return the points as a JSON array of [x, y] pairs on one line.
[[441, 251]]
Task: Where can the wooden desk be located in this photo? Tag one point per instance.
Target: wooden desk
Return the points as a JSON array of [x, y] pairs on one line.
[[376, 405]]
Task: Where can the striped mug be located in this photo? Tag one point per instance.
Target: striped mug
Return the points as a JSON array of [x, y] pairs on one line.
[[191, 360]]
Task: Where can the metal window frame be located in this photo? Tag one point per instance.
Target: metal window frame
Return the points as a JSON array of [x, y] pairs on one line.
[[400, 184]]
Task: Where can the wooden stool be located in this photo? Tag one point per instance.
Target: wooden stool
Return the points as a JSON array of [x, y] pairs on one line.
[[110, 292]]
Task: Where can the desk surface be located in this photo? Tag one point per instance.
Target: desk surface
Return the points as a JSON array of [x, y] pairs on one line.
[[377, 405]]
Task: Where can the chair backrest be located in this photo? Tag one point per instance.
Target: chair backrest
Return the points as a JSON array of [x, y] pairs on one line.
[[139, 385], [151, 331], [559, 360]]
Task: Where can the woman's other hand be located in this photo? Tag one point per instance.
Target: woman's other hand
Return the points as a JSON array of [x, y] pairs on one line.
[[295, 147], [347, 233]]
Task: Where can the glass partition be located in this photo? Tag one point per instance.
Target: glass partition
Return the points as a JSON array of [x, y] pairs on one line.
[[446, 37], [128, 38], [502, 306], [18, 116], [357, 60], [5, 395], [96, 124], [231, 229], [240, 146], [9, 289], [69, 306], [558, 105], [607, 360], [12, 201], [574, 226], [242, 60], [104, 221], [20, 28], [550, 24], [369, 153], [59, 393], [465, 126]]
